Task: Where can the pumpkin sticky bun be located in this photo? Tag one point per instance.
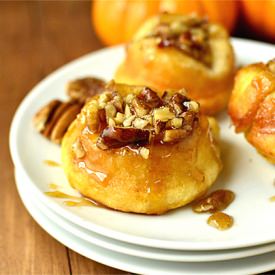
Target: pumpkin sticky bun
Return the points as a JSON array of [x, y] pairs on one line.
[[252, 106], [181, 51], [132, 150]]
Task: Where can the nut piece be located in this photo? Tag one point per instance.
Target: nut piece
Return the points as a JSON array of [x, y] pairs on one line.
[[127, 111], [78, 149], [63, 122], [150, 98], [110, 110], [43, 116], [53, 120], [128, 121], [144, 152], [139, 107], [82, 89], [115, 137], [192, 106], [140, 123], [163, 114], [119, 118], [176, 122], [174, 135]]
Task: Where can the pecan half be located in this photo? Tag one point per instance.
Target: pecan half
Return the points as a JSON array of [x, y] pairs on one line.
[[84, 88], [42, 117], [53, 120], [63, 122]]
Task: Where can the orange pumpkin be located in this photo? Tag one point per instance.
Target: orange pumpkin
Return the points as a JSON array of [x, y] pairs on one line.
[[260, 16], [116, 21]]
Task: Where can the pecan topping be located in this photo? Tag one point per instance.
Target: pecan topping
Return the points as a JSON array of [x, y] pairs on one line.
[[84, 88], [142, 118], [115, 137], [189, 35]]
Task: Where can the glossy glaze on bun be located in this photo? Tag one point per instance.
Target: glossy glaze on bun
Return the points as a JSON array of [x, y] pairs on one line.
[[252, 106], [177, 51], [148, 155]]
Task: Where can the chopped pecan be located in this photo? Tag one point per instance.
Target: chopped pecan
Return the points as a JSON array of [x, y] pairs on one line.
[[150, 98], [176, 103], [115, 137], [140, 108], [174, 135]]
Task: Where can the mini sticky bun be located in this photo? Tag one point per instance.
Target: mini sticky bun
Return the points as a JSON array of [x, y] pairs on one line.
[[252, 106], [181, 51], [134, 151]]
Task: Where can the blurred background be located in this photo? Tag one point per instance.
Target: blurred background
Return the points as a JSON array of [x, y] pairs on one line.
[[116, 21]]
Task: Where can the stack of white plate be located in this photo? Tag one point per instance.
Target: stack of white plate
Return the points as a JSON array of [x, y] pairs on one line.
[[179, 242]]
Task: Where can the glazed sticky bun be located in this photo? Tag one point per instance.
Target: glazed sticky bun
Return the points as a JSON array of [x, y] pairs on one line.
[[181, 51], [135, 151], [252, 106]]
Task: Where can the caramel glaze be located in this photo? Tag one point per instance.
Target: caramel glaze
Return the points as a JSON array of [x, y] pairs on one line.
[[220, 221], [74, 200], [214, 203], [154, 174], [52, 163]]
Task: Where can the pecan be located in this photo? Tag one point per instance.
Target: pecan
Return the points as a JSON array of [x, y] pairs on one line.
[[82, 89], [140, 107], [115, 137], [102, 120], [163, 114], [150, 98], [174, 135], [144, 152], [63, 122], [42, 117], [53, 120], [176, 103]]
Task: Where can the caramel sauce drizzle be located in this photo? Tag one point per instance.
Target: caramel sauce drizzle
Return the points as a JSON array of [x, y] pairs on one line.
[[60, 195], [215, 203], [220, 221], [52, 163], [73, 200]]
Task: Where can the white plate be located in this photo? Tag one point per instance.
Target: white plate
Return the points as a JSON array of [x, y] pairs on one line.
[[249, 265], [142, 251], [245, 172]]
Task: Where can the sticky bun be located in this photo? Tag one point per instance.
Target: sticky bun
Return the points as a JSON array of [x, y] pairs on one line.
[[181, 51], [132, 150], [252, 106]]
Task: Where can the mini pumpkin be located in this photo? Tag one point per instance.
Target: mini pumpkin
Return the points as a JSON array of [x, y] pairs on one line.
[[116, 21]]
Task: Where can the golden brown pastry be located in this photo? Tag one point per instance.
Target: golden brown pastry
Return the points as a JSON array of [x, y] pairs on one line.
[[133, 151], [181, 51], [252, 106]]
